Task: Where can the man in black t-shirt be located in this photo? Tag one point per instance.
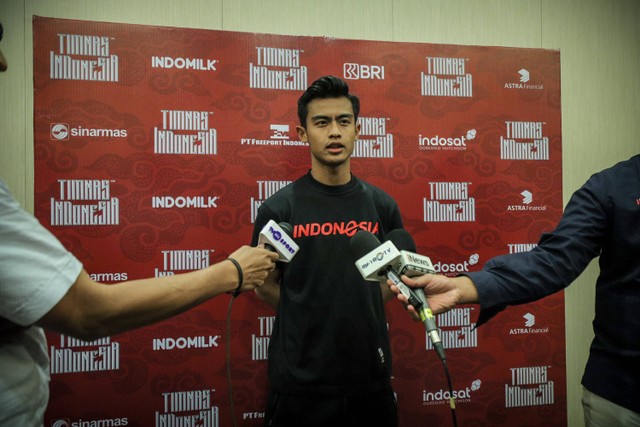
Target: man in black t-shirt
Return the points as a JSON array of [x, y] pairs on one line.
[[329, 354]]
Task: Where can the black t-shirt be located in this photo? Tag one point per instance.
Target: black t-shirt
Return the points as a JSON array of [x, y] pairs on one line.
[[330, 334]]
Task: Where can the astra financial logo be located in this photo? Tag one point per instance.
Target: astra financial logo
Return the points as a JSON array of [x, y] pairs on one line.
[[524, 77], [527, 200]]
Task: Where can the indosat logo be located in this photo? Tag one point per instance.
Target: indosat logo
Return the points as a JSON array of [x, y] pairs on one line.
[[453, 269], [449, 202], [82, 57], [277, 68], [64, 132], [374, 141], [446, 77], [266, 189], [443, 397], [438, 142], [85, 202]]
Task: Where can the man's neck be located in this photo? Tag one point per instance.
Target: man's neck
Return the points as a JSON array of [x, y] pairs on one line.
[[327, 175]]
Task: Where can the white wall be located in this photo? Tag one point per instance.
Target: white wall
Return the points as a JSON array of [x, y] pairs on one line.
[[600, 57]]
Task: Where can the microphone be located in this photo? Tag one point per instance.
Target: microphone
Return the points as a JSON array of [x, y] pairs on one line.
[[277, 238], [375, 260], [412, 264]]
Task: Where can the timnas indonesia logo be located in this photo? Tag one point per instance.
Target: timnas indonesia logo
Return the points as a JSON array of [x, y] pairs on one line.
[[82, 57]]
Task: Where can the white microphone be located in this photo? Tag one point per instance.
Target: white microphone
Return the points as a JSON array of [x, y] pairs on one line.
[[412, 264], [375, 260], [277, 238]]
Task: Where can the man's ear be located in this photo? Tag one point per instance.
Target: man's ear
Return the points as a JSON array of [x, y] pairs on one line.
[[302, 133]]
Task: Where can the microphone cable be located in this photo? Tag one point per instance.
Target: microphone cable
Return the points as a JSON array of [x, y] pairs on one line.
[[228, 357]]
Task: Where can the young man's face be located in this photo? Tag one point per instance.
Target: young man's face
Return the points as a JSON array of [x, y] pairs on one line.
[[331, 131]]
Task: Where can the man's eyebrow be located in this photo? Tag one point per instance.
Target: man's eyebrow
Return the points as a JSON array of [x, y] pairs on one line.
[[338, 117]]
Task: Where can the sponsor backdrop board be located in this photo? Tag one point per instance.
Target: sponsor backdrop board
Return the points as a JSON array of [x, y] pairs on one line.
[[154, 147]]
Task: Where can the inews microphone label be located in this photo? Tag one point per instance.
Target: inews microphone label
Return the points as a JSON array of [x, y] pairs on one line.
[[74, 355], [188, 408], [277, 68], [446, 77], [85, 202], [260, 341], [83, 57], [530, 386]]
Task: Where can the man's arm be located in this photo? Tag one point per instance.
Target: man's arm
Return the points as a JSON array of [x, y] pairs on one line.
[[269, 292], [90, 310]]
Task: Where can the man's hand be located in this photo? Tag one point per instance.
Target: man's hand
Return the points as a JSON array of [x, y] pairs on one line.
[[443, 293]]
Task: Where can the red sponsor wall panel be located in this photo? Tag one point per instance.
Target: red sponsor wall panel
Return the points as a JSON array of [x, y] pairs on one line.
[[154, 147]]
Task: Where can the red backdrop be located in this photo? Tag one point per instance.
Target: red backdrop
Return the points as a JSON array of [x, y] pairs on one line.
[[154, 146]]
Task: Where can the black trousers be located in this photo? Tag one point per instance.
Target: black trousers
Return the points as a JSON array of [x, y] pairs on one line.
[[376, 409]]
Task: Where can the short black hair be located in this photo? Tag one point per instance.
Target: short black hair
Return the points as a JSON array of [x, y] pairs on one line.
[[326, 87]]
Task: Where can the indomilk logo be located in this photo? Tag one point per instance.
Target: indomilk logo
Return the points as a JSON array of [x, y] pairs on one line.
[[82, 57], [446, 77], [85, 202], [188, 408], [183, 260], [277, 68], [449, 202], [260, 342], [266, 189], [74, 355], [438, 142], [184, 202], [198, 64], [530, 386], [185, 132], [279, 137], [456, 330], [524, 141], [373, 141]]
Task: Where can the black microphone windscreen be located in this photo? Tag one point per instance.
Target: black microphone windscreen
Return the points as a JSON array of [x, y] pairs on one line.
[[402, 240], [362, 243], [287, 228]]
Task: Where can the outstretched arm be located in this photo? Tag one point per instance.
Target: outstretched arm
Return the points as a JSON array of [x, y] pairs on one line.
[[90, 310]]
